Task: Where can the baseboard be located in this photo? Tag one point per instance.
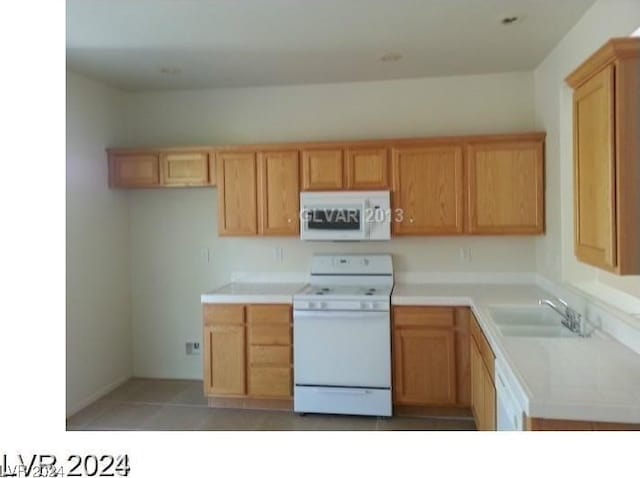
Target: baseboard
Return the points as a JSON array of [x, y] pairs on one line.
[[96, 396], [430, 412]]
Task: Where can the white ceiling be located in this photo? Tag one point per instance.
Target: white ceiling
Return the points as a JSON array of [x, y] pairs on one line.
[[231, 43]]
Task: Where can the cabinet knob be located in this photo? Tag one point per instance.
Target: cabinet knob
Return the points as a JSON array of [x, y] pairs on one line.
[[289, 220], [411, 220]]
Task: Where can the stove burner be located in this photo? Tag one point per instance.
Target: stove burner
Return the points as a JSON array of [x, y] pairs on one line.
[[319, 292], [369, 292], [325, 289]]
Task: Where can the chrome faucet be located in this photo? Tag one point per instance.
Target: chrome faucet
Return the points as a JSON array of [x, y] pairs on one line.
[[571, 319]]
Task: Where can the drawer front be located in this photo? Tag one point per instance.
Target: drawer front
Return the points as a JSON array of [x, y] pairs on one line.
[[269, 334], [423, 316], [269, 314], [270, 355], [483, 346], [270, 382], [223, 314]]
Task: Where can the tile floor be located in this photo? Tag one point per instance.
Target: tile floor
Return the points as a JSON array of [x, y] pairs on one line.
[[150, 404]]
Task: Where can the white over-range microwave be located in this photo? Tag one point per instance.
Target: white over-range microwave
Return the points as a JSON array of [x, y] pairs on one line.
[[345, 216]]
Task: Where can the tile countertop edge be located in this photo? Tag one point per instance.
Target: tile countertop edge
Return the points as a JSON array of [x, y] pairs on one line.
[[246, 299], [532, 407], [252, 293]]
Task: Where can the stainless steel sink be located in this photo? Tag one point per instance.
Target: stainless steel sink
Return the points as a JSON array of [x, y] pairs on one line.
[[534, 321]]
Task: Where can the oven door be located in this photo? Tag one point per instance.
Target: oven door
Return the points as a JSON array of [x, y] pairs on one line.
[[342, 349], [345, 221]]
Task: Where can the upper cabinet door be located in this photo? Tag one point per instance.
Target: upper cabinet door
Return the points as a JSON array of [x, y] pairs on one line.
[[322, 169], [594, 175], [367, 169], [428, 190], [279, 193], [237, 211], [133, 170], [506, 187], [185, 168]]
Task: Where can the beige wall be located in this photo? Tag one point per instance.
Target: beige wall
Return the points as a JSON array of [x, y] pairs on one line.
[[553, 101], [98, 322], [169, 228]]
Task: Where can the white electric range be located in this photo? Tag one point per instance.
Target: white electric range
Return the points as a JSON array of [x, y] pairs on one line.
[[342, 336]]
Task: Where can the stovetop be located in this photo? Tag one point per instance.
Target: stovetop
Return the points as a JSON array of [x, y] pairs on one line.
[[344, 291]]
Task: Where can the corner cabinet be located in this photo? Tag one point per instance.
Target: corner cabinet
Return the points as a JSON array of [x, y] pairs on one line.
[[248, 352], [606, 155]]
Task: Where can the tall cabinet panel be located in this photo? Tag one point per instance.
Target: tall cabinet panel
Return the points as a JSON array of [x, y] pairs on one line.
[[606, 157], [595, 221]]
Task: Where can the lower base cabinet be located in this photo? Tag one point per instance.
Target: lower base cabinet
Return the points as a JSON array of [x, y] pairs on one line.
[[430, 357], [483, 390], [248, 351]]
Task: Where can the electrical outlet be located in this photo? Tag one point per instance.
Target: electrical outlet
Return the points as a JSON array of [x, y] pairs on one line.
[[465, 255], [204, 253], [192, 348], [278, 254]]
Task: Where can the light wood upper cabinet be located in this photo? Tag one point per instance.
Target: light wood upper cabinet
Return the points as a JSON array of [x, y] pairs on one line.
[[505, 187], [185, 168], [367, 169], [224, 350], [134, 170], [606, 155], [595, 221], [279, 193], [322, 169], [237, 194], [169, 167], [428, 186]]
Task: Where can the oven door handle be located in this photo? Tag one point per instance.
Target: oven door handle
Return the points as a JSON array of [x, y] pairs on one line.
[[344, 391]]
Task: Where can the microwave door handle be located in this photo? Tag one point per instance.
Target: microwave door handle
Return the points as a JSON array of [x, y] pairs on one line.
[[364, 219]]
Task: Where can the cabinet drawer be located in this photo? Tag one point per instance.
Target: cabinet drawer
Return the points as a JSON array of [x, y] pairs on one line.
[[270, 381], [269, 314], [423, 316], [270, 355], [269, 334], [223, 314], [484, 348]]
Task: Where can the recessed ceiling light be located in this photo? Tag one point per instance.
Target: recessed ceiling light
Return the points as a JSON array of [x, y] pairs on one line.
[[390, 57], [169, 70], [511, 19]]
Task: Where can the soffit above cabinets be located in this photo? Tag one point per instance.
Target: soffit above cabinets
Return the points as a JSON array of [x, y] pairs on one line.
[[155, 44]]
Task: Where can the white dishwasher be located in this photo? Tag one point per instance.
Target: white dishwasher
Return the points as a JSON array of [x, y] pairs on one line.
[[510, 416]]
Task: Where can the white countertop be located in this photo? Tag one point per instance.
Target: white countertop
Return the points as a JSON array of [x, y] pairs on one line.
[[252, 293], [593, 379]]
